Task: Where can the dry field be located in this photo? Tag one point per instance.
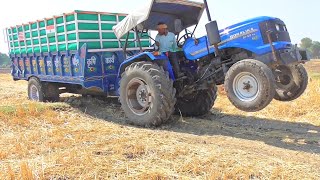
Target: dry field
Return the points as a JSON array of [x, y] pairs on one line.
[[86, 138], [4, 70]]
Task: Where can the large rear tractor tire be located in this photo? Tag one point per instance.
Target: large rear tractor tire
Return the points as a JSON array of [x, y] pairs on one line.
[[197, 104], [147, 95], [249, 85], [291, 82]]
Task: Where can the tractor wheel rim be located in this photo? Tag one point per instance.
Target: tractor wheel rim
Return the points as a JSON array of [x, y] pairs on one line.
[[138, 96], [34, 93], [246, 86]]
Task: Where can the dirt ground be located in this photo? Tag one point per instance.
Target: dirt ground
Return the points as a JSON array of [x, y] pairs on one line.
[[89, 138], [4, 70]]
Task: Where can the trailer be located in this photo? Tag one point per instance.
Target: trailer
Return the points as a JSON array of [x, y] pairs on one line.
[[77, 50]]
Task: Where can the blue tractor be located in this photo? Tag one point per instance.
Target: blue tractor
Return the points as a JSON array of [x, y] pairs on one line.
[[109, 54], [254, 59]]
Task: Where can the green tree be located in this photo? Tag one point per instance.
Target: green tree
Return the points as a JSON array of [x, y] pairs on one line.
[[315, 49], [4, 60], [306, 43]]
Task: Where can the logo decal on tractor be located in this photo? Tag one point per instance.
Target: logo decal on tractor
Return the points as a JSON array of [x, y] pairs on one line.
[[243, 33]]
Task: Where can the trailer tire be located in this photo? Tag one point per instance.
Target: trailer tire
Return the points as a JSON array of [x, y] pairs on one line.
[[249, 85], [200, 104], [147, 95], [291, 82], [51, 92], [35, 90]]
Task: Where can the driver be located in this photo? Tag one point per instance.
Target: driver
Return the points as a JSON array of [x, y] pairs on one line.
[[165, 40], [166, 43]]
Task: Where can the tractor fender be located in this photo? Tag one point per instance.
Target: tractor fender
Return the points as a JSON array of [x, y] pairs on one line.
[[146, 56]]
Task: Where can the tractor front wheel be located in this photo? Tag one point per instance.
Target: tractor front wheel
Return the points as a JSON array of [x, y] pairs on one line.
[[250, 85], [291, 82]]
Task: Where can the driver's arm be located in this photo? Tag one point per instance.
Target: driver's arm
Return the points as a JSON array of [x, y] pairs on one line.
[[157, 43]]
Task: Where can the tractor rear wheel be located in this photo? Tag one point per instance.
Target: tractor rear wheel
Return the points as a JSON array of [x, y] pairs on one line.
[[197, 104], [147, 95]]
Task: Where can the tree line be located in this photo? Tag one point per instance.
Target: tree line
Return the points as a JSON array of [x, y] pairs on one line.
[[313, 47], [4, 60]]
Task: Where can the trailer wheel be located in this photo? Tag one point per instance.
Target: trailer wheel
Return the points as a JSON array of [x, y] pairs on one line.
[[250, 85], [291, 82], [51, 92], [147, 95], [35, 90], [197, 104]]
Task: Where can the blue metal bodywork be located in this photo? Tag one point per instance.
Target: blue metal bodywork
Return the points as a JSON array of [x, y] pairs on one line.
[[101, 71], [245, 35], [98, 71]]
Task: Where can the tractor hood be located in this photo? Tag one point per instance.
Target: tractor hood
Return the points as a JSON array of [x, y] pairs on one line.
[[177, 14]]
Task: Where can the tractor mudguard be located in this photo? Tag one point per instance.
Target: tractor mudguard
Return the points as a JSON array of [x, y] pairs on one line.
[[161, 60]]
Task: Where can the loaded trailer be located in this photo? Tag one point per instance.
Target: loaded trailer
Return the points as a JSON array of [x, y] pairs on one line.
[[76, 50]]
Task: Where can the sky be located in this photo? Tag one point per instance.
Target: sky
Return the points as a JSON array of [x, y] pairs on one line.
[[299, 16]]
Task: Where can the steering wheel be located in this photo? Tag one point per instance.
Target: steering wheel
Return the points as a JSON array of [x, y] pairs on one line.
[[181, 41]]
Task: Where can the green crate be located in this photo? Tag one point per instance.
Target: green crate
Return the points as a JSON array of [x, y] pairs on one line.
[[61, 38], [105, 26], [70, 18], [41, 24], [35, 33], [50, 22], [27, 34], [90, 17], [60, 29], [92, 35], [28, 42], [88, 26], [34, 26], [71, 27], [43, 40], [72, 36], [108, 18], [71, 31], [59, 20], [35, 41], [52, 39], [43, 32]]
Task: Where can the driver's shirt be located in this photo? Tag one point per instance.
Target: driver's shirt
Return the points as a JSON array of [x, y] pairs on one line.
[[167, 42]]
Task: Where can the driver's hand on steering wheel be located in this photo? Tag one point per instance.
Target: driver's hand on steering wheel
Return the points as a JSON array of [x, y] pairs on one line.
[[156, 53], [196, 41]]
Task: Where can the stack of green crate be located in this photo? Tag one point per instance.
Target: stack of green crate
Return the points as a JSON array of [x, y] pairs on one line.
[[69, 32]]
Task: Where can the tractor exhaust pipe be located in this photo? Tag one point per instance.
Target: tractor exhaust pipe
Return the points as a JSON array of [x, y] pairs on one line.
[[207, 9], [212, 30]]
